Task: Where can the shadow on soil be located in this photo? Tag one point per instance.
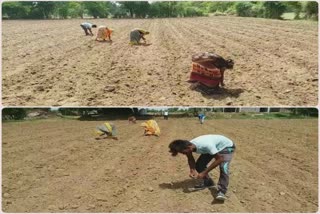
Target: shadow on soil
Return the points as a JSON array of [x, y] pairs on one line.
[[104, 41], [219, 94], [223, 93], [185, 185], [141, 44]]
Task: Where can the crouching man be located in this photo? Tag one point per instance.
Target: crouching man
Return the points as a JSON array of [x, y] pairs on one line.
[[217, 147]]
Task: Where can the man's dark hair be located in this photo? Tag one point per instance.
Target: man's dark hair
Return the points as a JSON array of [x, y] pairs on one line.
[[177, 146], [230, 64], [94, 26]]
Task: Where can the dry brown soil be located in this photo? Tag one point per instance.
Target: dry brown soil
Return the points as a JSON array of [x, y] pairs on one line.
[[57, 166], [52, 63]]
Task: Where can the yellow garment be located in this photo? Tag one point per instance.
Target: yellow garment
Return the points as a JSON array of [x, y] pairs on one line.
[[151, 128], [103, 33], [108, 128]]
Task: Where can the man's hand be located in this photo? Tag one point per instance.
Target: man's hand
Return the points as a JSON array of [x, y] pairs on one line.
[[202, 175], [193, 174]]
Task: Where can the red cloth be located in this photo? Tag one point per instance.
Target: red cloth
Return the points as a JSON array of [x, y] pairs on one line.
[[209, 76]]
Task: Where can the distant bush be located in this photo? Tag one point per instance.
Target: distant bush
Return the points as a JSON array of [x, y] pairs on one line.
[[268, 9], [218, 13], [273, 10], [257, 10], [14, 113], [311, 10], [244, 9]]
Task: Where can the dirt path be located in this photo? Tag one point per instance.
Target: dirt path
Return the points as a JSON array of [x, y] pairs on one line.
[[57, 166], [55, 64]]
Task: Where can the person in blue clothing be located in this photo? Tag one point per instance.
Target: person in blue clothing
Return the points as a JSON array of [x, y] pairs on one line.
[[217, 147], [201, 117]]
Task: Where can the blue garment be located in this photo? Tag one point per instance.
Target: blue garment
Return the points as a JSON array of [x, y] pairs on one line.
[[201, 116]]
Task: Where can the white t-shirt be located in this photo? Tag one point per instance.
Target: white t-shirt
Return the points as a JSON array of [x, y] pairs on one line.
[[166, 113], [87, 25], [211, 144]]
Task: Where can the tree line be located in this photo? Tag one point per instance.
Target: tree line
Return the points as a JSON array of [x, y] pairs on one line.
[[9, 114], [161, 9]]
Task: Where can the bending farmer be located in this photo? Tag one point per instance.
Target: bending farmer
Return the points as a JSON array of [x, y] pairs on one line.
[[218, 147], [108, 130], [201, 118], [136, 35], [104, 33], [86, 26]]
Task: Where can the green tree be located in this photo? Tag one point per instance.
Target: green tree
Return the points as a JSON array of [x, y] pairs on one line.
[[70, 111], [313, 112], [97, 9], [311, 10], [14, 113], [15, 10], [257, 10], [139, 9], [118, 112], [46, 8], [294, 6], [76, 9], [273, 9], [219, 6], [62, 9], [118, 10], [244, 9], [130, 6]]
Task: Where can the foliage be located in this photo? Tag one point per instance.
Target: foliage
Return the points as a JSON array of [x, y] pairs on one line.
[[100, 111], [293, 6], [274, 10], [76, 9], [97, 9], [15, 10], [154, 9], [311, 10], [14, 113], [244, 9], [305, 111]]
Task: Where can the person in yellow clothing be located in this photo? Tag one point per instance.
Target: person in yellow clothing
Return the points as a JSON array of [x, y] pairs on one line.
[[151, 128], [108, 130], [104, 33], [136, 35]]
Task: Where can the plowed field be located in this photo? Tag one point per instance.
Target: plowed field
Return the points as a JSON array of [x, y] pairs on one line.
[[57, 166], [52, 63]]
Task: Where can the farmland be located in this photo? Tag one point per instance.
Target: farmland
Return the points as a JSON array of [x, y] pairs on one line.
[[51, 62], [56, 165]]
